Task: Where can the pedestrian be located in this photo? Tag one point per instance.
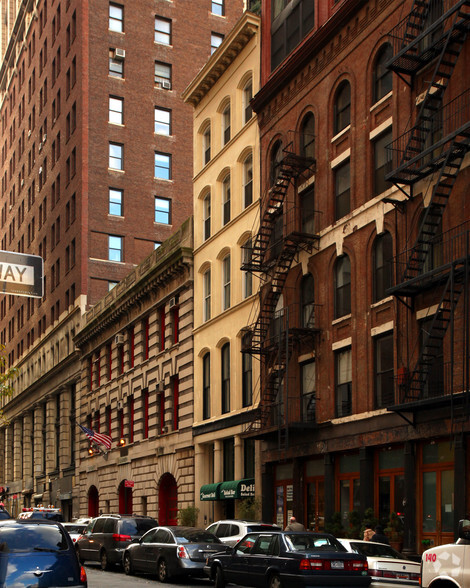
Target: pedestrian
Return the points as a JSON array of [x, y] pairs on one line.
[[368, 532], [294, 525], [379, 536]]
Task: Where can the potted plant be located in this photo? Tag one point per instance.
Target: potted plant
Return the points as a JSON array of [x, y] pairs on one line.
[[394, 531], [187, 516]]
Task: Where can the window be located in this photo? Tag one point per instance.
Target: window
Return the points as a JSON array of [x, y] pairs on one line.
[[131, 339], [206, 386], [307, 210], [292, 20], [162, 327], [342, 286], [163, 75], [116, 64], [248, 180], [206, 145], [225, 377], [247, 372], [162, 30], [382, 75], [342, 108], [145, 403], [247, 254], [382, 162], [116, 106], [112, 285], [114, 248], [247, 96], [382, 265], [343, 380], [226, 200], [275, 162], [308, 391], [342, 190], [175, 323], [384, 381], [162, 121], [226, 125], [162, 166], [162, 210], [206, 215], [115, 202], [116, 156], [226, 283], [218, 7], [307, 136], [307, 296], [175, 384], [216, 41], [207, 295], [116, 18]]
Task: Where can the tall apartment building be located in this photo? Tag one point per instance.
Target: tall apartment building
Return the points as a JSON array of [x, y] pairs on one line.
[[96, 173], [226, 206], [364, 254]]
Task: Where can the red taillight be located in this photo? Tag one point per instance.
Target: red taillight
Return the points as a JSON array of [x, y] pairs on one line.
[[325, 564], [359, 565], [82, 575], [181, 552], [117, 537], [314, 564]]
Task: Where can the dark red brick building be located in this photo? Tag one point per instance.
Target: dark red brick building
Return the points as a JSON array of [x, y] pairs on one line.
[[363, 247]]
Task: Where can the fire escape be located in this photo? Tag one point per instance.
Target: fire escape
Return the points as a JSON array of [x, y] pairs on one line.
[[281, 235], [432, 36]]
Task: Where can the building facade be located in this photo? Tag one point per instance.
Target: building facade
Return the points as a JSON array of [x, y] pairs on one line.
[[363, 251], [95, 175], [226, 195]]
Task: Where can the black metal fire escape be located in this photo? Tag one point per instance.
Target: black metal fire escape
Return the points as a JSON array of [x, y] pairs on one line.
[[278, 240], [433, 33]]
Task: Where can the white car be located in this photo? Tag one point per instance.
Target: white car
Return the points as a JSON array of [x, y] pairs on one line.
[[231, 531], [74, 530], [387, 567]]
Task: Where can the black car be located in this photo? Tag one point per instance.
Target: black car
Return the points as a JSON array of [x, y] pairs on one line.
[[172, 552], [106, 537], [38, 553], [288, 559]]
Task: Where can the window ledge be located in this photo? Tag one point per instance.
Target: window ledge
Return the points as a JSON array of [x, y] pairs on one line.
[[341, 133]]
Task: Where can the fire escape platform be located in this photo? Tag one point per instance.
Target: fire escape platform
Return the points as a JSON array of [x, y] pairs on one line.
[[458, 399]]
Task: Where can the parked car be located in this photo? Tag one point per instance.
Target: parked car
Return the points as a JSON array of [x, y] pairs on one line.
[[106, 537], [74, 530], [288, 559], [172, 552], [387, 567], [38, 552], [4, 514], [42, 512], [231, 531]]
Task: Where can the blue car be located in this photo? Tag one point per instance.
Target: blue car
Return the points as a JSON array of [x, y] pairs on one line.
[[286, 559], [38, 552]]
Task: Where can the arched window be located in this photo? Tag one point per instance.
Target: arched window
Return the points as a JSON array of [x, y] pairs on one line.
[[226, 124], [206, 145], [382, 262], [206, 386], [206, 292], [247, 96], [225, 377], [226, 200], [307, 294], [275, 161], [248, 180], [206, 215], [382, 76], [342, 109], [307, 136], [226, 282], [342, 286]]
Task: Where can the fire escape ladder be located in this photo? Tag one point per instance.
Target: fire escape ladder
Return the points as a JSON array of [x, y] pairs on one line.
[[416, 21], [432, 342]]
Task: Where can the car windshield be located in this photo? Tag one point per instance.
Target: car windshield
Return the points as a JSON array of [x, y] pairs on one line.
[[75, 528], [376, 550], [137, 526], [310, 542], [32, 538], [195, 536]]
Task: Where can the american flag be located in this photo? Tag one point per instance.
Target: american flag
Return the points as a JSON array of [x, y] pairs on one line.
[[97, 437]]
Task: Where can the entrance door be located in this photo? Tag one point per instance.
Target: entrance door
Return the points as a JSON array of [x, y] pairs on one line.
[[168, 501], [315, 505], [125, 499], [93, 502]]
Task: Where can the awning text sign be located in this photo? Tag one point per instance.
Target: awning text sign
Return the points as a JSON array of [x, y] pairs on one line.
[[21, 274]]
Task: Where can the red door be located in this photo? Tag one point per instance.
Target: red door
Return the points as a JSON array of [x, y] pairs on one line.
[[168, 501], [93, 502], [125, 499]]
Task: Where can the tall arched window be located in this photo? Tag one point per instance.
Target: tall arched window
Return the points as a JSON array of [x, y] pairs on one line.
[[307, 136], [342, 286], [275, 161], [247, 96], [226, 132], [342, 108], [226, 281], [247, 371], [248, 180], [225, 377], [206, 292], [226, 203], [206, 145], [382, 76], [382, 260], [206, 215], [307, 294], [247, 254], [206, 386]]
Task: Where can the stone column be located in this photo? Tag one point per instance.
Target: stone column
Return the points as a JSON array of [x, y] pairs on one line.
[[239, 468], [409, 506]]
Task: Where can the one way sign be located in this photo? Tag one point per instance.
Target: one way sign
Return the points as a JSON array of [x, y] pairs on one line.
[[21, 274]]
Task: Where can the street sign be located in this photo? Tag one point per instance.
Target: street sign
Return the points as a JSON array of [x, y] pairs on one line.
[[21, 274]]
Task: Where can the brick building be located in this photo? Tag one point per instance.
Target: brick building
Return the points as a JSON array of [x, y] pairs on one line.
[[363, 249], [95, 175]]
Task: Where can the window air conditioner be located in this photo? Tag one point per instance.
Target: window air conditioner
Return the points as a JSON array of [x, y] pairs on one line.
[[119, 53], [22, 183], [173, 301], [165, 84], [40, 170], [44, 137], [119, 339]]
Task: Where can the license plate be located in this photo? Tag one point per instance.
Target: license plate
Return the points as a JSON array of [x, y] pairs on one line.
[[403, 576], [337, 565]]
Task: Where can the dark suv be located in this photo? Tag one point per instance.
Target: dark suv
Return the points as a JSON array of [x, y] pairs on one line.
[[106, 537]]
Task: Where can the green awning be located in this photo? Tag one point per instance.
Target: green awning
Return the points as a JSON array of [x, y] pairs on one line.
[[209, 492], [237, 489]]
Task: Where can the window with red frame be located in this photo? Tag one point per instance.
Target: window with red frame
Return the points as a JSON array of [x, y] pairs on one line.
[[175, 383], [121, 422], [175, 323], [146, 331], [161, 322], [161, 412], [131, 347], [145, 405], [108, 420], [130, 412], [109, 355]]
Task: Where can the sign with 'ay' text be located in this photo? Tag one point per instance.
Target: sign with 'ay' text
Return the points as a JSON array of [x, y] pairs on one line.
[[21, 274]]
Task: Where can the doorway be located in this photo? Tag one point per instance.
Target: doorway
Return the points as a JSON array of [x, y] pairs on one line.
[[168, 501]]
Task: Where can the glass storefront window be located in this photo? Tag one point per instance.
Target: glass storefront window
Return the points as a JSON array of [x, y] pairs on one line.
[[438, 452]]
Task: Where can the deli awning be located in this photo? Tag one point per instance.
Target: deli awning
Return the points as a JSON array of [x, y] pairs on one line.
[[237, 489], [209, 492]]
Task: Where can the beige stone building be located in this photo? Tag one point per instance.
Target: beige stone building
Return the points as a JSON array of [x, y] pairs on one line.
[[226, 199], [136, 386]]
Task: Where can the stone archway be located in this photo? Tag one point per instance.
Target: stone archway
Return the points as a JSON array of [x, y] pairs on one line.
[[93, 502], [167, 500], [125, 498]]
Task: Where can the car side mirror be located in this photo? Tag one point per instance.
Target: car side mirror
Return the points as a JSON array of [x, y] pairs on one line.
[[464, 529]]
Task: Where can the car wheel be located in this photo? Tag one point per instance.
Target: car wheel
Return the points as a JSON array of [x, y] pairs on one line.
[[104, 560], [219, 578], [163, 574], [274, 581], [127, 564]]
